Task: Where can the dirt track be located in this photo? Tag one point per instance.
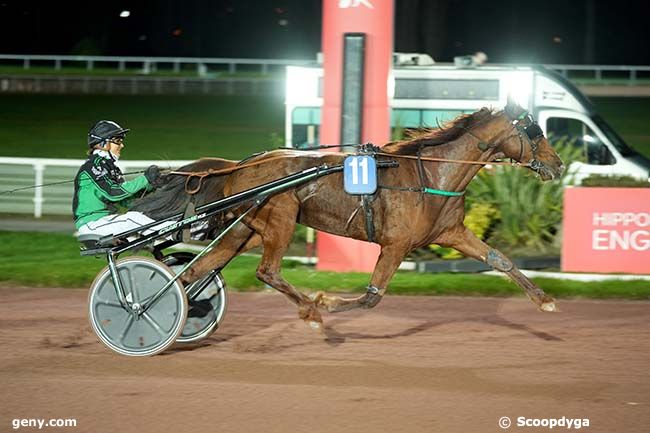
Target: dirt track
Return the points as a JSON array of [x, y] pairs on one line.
[[414, 364]]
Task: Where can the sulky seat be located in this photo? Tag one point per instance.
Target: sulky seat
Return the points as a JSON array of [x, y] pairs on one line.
[[89, 244]]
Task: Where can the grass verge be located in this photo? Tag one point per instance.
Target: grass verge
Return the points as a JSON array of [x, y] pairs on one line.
[[188, 127], [52, 260], [162, 127]]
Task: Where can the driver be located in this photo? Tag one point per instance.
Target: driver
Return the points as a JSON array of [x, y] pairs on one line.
[[100, 189]]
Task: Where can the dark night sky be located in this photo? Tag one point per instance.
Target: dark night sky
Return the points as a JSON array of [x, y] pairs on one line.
[[547, 31]]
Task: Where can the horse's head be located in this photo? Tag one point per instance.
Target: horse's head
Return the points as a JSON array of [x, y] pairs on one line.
[[525, 142]]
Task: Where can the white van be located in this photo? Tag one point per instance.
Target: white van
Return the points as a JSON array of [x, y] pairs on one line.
[[424, 96]]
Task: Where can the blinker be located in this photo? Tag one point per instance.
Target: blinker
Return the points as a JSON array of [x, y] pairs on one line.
[[533, 131]]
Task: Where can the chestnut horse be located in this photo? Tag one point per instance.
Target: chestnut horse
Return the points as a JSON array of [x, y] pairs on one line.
[[409, 211]]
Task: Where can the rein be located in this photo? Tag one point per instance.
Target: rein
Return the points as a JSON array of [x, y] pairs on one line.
[[455, 161], [212, 172], [11, 191], [201, 175]]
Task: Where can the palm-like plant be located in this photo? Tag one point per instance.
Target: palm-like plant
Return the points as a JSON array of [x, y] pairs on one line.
[[530, 211]]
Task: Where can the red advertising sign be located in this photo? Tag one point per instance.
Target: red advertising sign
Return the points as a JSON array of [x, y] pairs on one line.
[[606, 230]]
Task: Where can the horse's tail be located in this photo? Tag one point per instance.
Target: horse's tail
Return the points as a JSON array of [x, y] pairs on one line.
[[173, 198]]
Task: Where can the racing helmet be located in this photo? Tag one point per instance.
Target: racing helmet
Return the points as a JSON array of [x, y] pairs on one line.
[[104, 130]]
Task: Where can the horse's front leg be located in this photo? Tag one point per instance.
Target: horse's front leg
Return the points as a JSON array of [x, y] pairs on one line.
[[388, 262], [467, 243]]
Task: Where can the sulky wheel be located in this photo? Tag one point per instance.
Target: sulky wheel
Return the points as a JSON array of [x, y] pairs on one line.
[[208, 303], [130, 330]]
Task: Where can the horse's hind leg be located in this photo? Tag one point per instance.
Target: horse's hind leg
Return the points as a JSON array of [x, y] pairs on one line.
[[239, 240], [275, 222], [388, 262], [467, 243]]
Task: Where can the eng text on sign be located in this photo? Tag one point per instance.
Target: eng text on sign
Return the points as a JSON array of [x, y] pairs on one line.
[[621, 231], [360, 174], [606, 230]]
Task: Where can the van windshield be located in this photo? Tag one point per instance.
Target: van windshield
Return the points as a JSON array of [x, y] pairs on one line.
[[615, 139]]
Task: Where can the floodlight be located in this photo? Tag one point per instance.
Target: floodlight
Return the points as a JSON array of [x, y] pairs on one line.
[[302, 83], [125, 14], [519, 88]]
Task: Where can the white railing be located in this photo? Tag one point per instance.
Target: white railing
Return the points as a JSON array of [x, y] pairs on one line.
[[600, 72], [55, 199], [150, 64], [139, 85]]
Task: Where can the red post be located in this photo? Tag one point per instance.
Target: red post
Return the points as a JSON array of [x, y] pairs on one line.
[[375, 19]]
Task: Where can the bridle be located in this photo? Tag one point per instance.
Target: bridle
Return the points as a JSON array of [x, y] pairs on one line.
[[527, 130]]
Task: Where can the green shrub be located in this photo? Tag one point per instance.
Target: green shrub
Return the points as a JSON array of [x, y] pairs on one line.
[[599, 180], [479, 219], [529, 211]]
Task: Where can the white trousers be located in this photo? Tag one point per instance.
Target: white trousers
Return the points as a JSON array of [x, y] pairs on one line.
[[115, 224]]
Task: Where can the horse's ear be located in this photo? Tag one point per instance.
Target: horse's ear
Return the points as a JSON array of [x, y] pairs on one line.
[[512, 108]]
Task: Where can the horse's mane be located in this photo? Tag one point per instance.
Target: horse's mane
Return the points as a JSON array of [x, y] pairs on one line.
[[172, 199], [450, 131]]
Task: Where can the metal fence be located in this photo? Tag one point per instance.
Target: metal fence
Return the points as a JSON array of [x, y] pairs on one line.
[[134, 85], [51, 200], [148, 64]]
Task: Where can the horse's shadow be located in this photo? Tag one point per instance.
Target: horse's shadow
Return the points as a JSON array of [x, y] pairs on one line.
[[334, 337], [496, 319]]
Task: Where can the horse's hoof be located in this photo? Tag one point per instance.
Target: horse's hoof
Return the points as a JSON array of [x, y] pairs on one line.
[[316, 326], [321, 300], [309, 313], [549, 307]]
